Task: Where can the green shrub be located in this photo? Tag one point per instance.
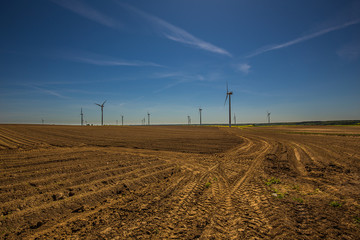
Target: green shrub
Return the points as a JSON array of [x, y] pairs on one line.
[[300, 200], [272, 181], [335, 204]]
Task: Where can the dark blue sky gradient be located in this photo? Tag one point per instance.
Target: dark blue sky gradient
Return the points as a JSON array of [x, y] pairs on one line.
[[299, 60]]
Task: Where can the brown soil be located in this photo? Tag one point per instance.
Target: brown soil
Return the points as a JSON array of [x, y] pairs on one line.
[[178, 182]]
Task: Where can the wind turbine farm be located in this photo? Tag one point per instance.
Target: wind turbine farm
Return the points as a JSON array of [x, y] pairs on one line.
[[155, 152]]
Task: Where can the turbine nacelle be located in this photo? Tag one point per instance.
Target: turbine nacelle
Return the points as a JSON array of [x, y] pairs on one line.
[[227, 95], [102, 105]]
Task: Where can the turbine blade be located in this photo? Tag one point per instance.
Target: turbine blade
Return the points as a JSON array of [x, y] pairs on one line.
[[226, 98], [104, 102], [97, 104], [227, 89]]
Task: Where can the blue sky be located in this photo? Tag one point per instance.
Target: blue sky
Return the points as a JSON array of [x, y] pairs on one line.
[[300, 60]]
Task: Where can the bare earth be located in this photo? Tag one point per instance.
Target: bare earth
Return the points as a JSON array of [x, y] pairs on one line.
[[179, 182]]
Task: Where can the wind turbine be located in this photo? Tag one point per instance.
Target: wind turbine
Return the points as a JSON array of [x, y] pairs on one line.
[[189, 120], [42, 121], [268, 116], [148, 118], [82, 118], [200, 109], [102, 111], [228, 94]]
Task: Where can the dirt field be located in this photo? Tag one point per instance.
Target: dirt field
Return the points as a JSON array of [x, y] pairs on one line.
[[179, 182]]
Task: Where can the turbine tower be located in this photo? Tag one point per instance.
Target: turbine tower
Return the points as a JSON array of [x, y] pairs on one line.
[[189, 120], [234, 119], [268, 116], [102, 111], [200, 109], [148, 118], [42, 121], [82, 118], [228, 94], [122, 120]]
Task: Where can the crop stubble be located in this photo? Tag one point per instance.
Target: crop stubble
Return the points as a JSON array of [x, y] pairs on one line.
[[178, 182]]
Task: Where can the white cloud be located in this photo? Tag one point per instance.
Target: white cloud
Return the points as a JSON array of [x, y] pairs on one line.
[[177, 34], [86, 11], [243, 67], [304, 38]]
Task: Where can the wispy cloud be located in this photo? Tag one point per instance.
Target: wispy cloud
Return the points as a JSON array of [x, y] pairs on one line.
[[350, 51], [166, 75], [303, 38], [177, 34], [176, 78], [100, 60], [49, 92], [243, 67], [173, 84], [86, 11]]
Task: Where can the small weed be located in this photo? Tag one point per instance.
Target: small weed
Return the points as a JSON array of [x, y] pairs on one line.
[[215, 179], [272, 181], [208, 184], [300, 200], [278, 194], [335, 204], [357, 219], [295, 187], [316, 191]]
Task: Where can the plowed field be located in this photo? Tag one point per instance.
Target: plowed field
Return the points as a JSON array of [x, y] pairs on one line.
[[179, 182]]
